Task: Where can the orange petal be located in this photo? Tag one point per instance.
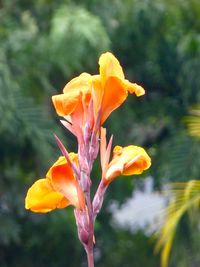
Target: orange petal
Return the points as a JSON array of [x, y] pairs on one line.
[[109, 67], [80, 83], [127, 161], [114, 95], [64, 181], [66, 103], [97, 92], [41, 197], [134, 88], [61, 160]]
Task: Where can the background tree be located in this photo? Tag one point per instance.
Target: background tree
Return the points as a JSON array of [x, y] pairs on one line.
[[44, 43]]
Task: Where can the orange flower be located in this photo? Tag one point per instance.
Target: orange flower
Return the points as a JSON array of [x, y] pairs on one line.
[[127, 161], [108, 90], [66, 103], [58, 190]]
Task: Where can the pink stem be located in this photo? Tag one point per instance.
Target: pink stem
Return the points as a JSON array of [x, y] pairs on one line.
[[88, 151], [98, 199], [86, 184], [90, 256], [90, 245]]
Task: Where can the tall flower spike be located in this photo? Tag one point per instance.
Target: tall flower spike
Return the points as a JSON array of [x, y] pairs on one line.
[[85, 104], [58, 190], [127, 161]]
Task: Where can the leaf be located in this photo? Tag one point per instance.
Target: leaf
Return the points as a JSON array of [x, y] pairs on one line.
[[193, 122], [184, 197]]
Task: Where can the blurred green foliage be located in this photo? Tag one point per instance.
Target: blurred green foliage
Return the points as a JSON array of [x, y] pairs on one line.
[[44, 43]]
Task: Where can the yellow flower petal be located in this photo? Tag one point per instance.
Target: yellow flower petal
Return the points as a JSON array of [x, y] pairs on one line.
[[41, 197], [114, 95], [127, 161], [134, 88], [66, 103], [97, 93], [58, 190], [114, 87], [81, 83], [109, 67], [62, 161], [64, 181]]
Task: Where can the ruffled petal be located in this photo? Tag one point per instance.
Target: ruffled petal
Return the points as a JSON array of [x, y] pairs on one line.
[[127, 161], [67, 102], [64, 181], [134, 88], [114, 87], [41, 197], [80, 83], [97, 93], [114, 95], [62, 161], [109, 67]]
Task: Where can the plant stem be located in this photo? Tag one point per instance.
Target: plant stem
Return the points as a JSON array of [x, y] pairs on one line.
[[87, 155], [90, 245], [90, 255], [98, 199]]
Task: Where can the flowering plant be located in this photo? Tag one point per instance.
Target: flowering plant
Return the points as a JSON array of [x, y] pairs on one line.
[[85, 104]]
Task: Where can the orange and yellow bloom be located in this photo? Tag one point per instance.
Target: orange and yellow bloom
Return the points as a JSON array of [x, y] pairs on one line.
[[129, 160], [59, 189], [108, 90], [104, 92]]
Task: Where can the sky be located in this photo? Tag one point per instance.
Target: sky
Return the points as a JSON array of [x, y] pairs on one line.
[[144, 210]]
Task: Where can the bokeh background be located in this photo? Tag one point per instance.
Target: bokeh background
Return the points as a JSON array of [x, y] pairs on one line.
[[45, 43]]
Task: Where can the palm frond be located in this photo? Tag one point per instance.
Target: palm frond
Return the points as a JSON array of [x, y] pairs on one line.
[[193, 122], [185, 197]]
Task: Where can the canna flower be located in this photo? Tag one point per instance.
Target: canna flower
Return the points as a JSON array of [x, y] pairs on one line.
[[85, 104], [59, 189], [107, 91], [127, 160]]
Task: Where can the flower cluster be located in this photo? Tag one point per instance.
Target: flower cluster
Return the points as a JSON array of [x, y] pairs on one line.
[[85, 104]]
